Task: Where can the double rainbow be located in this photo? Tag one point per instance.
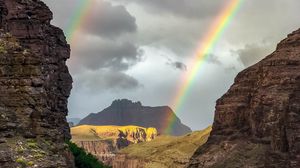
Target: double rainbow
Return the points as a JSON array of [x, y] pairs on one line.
[[206, 47]]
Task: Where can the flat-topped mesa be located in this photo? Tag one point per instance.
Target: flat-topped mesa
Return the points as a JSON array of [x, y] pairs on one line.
[[34, 85], [257, 122]]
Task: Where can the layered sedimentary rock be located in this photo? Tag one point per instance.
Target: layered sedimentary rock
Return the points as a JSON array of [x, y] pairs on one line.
[[125, 112], [105, 141], [257, 122], [34, 87]]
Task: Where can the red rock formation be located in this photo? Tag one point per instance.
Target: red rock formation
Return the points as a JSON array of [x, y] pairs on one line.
[[34, 87], [257, 122]]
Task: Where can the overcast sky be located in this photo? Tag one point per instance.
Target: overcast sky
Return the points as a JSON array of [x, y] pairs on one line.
[[140, 49]]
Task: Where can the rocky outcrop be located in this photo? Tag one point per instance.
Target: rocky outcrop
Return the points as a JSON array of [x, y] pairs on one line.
[[125, 112], [257, 122], [34, 87], [105, 141]]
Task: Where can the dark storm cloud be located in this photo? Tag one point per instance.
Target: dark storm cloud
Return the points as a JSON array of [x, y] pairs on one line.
[[118, 57], [185, 8], [252, 53], [110, 21], [105, 49], [98, 81]]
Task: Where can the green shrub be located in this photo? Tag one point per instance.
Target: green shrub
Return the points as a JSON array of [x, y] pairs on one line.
[[84, 160]]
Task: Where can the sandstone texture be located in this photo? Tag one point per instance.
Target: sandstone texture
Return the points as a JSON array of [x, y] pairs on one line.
[[34, 87], [105, 141], [257, 122], [125, 112]]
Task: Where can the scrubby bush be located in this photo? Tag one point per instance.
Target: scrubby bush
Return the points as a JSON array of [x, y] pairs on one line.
[[84, 160]]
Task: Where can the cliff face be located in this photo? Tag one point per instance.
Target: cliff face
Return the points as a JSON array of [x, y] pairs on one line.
[[34, 87], [125, 112], [162, 152], [103, 150], [105, 141], [257, 122]]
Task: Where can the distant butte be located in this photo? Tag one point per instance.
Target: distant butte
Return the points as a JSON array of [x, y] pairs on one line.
[[125, 112]]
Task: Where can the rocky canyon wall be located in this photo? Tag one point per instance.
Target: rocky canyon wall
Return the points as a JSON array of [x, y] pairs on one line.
[[257, 122], [34, 87]]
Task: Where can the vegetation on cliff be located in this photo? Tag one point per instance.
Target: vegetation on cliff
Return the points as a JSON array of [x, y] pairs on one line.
[[84, 160]]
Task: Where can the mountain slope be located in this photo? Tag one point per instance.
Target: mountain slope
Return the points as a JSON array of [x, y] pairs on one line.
[[125, 112], [163, 152], [257, 122]]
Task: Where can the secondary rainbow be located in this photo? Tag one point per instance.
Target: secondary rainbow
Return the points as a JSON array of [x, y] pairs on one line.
[[206, 46], [79, 17]]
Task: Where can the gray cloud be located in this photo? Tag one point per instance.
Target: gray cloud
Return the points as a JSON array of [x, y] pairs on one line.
[[103, 20], [109, 21], [177, 65], [185, 8], [106, 47], [212, 58], [108, 54], [101, 80], [252, 53]]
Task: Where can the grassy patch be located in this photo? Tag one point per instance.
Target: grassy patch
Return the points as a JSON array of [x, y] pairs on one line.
[[168, 151]]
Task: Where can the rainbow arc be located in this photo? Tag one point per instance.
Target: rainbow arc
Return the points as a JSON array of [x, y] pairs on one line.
[[205, 48]]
